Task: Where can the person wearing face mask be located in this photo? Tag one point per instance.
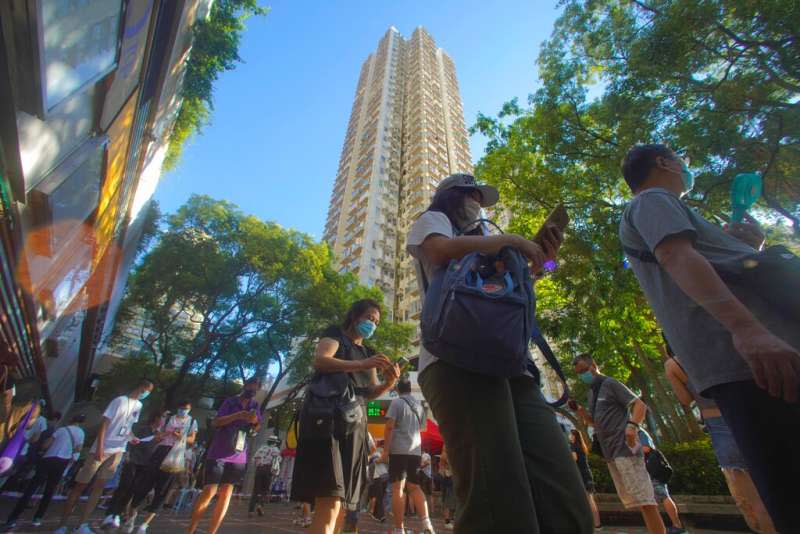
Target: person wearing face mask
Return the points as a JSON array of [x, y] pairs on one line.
[[616, 414], [736, 347], [502, 437], [226, 459], [116, 431], [332, 472], [158, 480]]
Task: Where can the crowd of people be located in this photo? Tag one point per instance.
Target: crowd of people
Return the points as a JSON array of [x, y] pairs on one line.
[[507, 465]]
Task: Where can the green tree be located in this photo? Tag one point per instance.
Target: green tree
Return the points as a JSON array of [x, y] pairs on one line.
[[715, 80], [215, 49]]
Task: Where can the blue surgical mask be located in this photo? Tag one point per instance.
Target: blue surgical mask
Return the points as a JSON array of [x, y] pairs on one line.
[[687, 177], [586, 377], [183, 412], [366, 328], [143, 395]]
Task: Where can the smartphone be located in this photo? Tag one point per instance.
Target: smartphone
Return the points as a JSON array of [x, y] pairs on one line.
[[403, 362], [559, 217]]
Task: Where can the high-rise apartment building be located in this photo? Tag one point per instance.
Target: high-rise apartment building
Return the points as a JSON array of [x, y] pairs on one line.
[[406, 132]]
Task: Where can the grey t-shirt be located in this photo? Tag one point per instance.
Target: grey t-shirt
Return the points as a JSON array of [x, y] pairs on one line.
[[429, 223], [409, 417], [704, 346], [611, 415]]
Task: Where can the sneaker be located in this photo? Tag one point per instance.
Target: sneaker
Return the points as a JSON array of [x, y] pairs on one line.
[[36, 522], [11, 525], [448, 525], [260, 511], [84, 529], [130, 524], [142, 529]]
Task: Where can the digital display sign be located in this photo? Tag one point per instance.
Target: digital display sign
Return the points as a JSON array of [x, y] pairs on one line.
[[377, 409]]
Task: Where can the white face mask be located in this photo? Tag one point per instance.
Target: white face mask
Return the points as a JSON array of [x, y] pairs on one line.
[[472, 212]]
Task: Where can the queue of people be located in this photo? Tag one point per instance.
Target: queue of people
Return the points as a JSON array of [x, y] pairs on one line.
[[507, 466]]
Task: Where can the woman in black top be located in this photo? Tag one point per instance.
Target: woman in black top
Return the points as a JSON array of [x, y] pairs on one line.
[[580, 452], [330, 471]]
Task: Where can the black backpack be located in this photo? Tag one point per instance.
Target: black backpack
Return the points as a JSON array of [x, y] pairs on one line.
[[479, 314], [773, 274]]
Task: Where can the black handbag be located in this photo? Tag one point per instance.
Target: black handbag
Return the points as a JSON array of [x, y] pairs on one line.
[[330, 408]]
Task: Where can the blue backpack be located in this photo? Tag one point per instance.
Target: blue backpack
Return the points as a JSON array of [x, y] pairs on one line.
[[479, 314]]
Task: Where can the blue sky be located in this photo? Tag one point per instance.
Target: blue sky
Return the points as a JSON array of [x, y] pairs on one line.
[[279, 119]]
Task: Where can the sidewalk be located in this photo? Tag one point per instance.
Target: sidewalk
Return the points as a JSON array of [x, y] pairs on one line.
[[278, 519]]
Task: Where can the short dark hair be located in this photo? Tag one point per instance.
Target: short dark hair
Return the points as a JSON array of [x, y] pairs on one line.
[[183, 402], [404, 386], [585, 358], [640, 160], [255, 379], [78, 419], [357, 309], [55, 415], [144, 382]]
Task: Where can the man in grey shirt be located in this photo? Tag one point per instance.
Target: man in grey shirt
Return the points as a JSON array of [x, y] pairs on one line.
[[735, 346], [404, 421], [616, 414]]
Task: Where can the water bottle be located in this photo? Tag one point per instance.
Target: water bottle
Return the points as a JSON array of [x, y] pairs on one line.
[[745, 191]]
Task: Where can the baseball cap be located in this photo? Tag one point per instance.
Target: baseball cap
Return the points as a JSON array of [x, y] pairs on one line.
[[489, 195]]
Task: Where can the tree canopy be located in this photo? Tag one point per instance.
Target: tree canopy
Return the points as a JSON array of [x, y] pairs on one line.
[[717, 81], [222, 294]]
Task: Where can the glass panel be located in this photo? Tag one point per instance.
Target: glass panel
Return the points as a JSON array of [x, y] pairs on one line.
[[80, 44]]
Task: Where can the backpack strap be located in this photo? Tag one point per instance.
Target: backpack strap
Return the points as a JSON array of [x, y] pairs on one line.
[[596, 392], [547, 352], [641, 255], [413, 409]]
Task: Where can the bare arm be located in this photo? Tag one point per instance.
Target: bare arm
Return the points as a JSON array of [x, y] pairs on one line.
[[225, 420], [190, 438], [440, 249], [583, 413], [324, 360], [677, 379], [101, 438], [387, 437], [378, 388], [698, 279], [775, 364], [638, 411]]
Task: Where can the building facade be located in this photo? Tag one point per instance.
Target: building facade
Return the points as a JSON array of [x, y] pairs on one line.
[[406, 132], [89, 91]]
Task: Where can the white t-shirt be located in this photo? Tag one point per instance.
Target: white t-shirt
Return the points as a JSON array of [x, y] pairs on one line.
[[122, 413], [265, 454], [176, 423], [39, 426], [62, 446]]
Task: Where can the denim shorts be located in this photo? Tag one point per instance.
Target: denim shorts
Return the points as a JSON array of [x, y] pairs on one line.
[[661, 491], [725, 447]]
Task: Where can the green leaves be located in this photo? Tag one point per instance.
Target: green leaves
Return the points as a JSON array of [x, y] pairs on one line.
[[215, 49], [222, 293]]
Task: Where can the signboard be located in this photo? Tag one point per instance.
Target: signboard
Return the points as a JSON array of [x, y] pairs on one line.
[[376, 411]]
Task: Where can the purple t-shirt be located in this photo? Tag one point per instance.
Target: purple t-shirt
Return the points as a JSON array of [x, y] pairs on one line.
[[222, 445]]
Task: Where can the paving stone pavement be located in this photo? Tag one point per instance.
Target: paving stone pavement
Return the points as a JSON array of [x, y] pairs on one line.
[[278, 519]]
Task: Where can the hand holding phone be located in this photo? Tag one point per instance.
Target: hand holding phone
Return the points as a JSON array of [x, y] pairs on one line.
[[551, 233]]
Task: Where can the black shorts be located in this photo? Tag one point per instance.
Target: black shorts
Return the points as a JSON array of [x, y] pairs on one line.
[[404, 467], [220, 472]]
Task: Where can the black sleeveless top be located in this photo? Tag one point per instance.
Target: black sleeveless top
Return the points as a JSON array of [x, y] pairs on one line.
[[350, 351]]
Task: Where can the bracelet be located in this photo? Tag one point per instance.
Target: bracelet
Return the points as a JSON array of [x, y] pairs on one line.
[[636, 425]]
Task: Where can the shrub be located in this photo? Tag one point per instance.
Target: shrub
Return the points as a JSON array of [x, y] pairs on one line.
[[695, 470]]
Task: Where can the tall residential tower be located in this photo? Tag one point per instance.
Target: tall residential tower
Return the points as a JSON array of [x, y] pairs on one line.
[[406, 132]]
